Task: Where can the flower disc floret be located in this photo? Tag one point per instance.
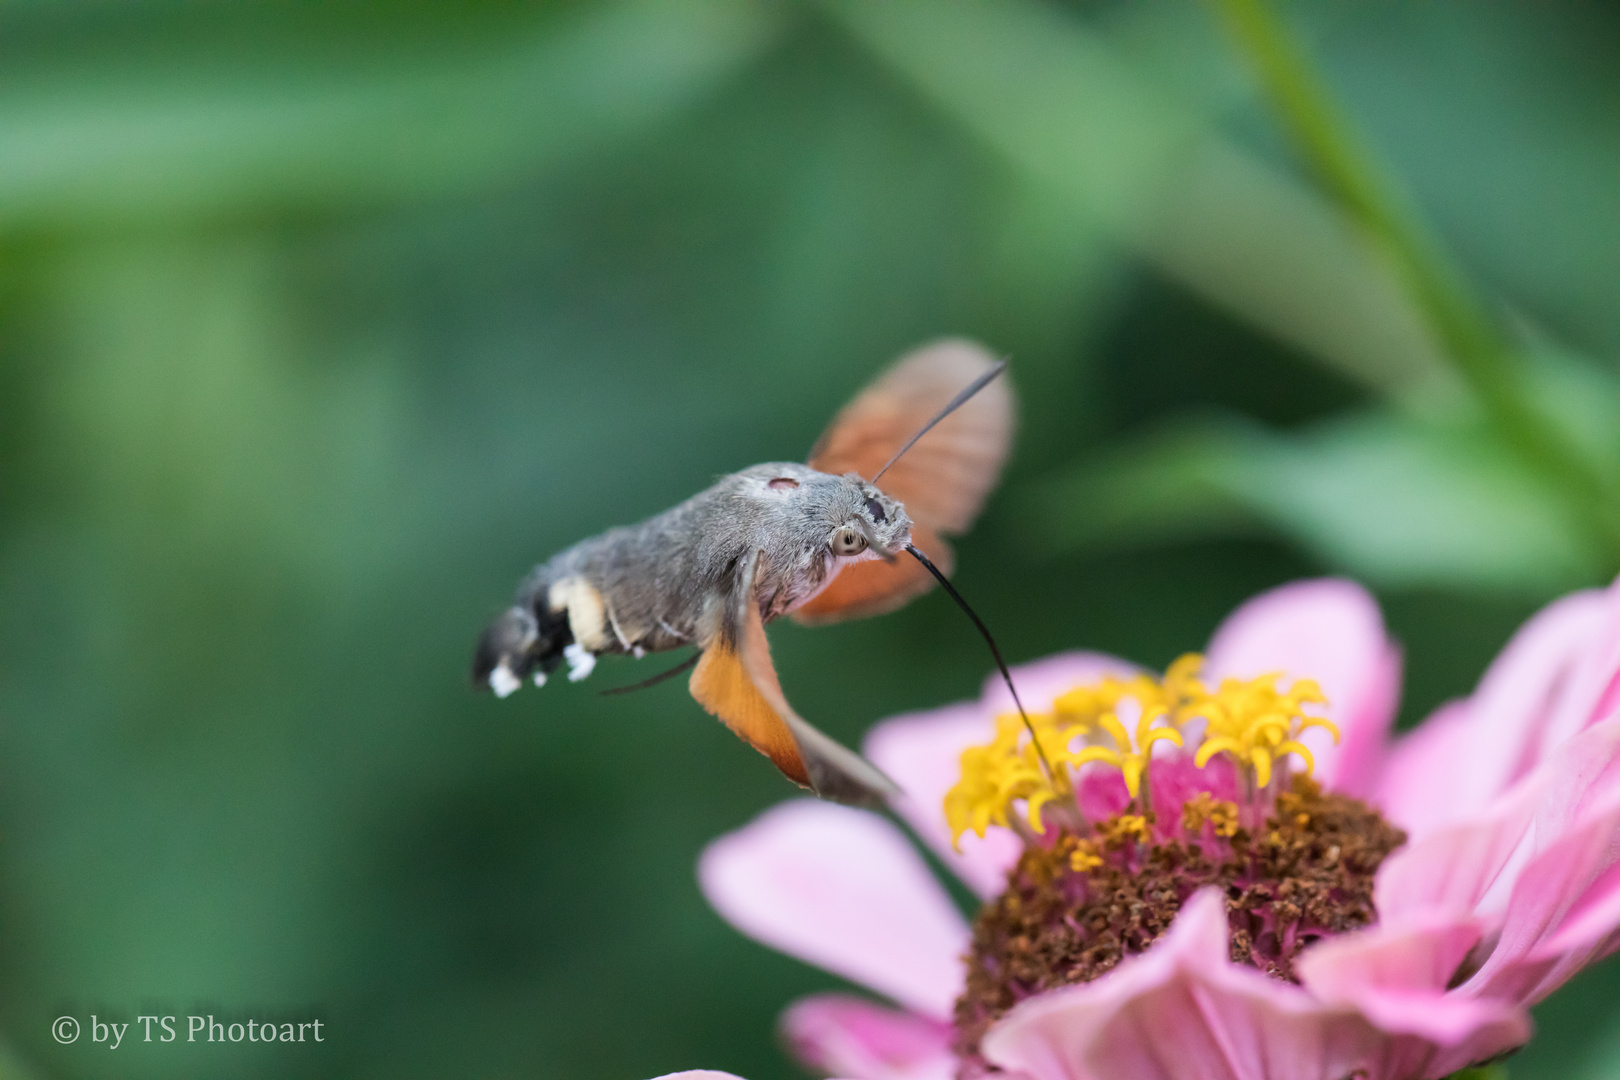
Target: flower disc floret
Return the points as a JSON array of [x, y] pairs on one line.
[[1077, 907]]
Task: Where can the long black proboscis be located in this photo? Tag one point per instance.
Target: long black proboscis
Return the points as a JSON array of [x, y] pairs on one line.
[[956, 403], [656, 679], [1006, 675]]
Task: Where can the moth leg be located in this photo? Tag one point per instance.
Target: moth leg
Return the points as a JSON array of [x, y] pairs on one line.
[[656, 679], [588, 621], [581, 661], [736, 681]]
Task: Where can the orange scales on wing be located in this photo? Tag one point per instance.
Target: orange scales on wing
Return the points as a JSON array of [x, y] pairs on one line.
[[943, 480]]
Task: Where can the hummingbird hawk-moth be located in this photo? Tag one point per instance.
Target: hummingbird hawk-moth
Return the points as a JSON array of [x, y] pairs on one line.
[[817, 541]]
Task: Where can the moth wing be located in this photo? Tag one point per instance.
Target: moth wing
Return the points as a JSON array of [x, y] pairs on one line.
[[943, 480], [877, 587], [721, 683], [736, 681]]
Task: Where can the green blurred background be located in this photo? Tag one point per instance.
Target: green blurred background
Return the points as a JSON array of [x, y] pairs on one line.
[[320, 323]]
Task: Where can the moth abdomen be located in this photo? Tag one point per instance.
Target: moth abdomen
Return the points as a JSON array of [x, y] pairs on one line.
[[530, 638]]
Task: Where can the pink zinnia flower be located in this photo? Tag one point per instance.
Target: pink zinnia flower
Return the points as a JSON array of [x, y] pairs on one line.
[[1167, 895]]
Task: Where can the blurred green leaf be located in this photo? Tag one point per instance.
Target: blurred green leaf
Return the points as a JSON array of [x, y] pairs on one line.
[[1399, 502], [1473, 341], [1602, 1060], [1053, 99], [152, 134], [1583, 397], [12, 1066]]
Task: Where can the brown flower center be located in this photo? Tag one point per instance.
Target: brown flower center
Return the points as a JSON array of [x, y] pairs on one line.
[[1076, 908]]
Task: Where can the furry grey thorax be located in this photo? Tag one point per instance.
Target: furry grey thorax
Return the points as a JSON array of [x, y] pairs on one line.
[[666, 582]]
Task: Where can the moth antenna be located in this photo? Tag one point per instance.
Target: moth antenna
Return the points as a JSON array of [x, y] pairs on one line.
[[955, 403], [656, 679], [1006, 675]]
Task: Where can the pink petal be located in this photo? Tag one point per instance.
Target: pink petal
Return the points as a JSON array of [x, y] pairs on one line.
[[1578, 776], [1421, 954], [1594, 917], [1458, 867], [1181, 1011], [1451, 869], [1592, 692], [1563, 899], [922, 753], [1040, 682], [1396, 976], [844, 890], [838, 1035], [1329, 630], [1590, 932], [1459, 761], [699, 1074], [1520, 689], [1421, 788]]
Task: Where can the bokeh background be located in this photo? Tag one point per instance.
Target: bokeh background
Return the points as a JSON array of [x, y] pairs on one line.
[[320, 323]]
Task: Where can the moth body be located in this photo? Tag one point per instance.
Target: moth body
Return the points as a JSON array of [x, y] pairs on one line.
[[815, 540], [664, 583]]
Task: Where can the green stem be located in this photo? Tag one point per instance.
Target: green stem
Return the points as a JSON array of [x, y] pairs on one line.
[[1469, 337]]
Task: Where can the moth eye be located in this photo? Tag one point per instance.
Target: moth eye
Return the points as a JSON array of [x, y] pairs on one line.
[[847, 541], [783, 483], [875, 508]]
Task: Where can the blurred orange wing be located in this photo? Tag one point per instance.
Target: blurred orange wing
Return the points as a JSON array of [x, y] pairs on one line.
[[723, 685], [943, 480], [736, 681]]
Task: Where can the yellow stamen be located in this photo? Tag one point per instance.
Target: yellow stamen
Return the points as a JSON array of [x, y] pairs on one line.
[[1221, 815], [1084, 857], [1033, 809], [1128, 825], [1254, 721], [1261, 760]]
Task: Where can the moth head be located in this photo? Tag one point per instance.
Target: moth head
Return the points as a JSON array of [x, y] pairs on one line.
[[870, 522]]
